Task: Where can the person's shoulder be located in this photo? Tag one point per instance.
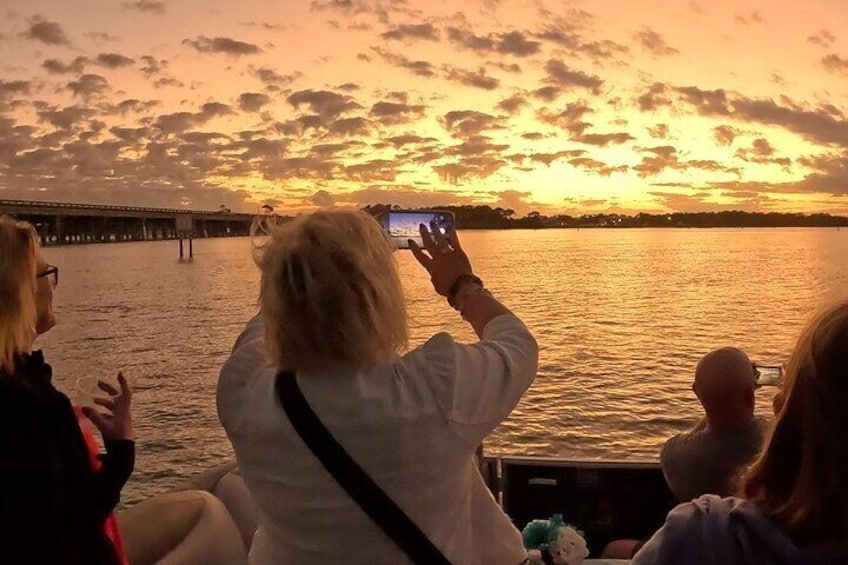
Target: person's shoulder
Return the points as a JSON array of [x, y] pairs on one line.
[[28, 411], [245, 393], [688, 520], [19, 389], [439, 353], [249, 351], [15, 399], [712, 504], [10, 384], [680, 537], [682, 444], [441, 341], [243, 370], [688, 517], [435, 356]]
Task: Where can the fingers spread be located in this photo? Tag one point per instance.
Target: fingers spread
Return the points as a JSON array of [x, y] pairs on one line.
[[427, 238], [95, 417], [107, 403], [438, 236], [453, 238], [419, 254], [106, 387], [126, 391]]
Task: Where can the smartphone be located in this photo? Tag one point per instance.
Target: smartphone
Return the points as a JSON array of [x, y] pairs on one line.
[[403, 225], [768, 375]]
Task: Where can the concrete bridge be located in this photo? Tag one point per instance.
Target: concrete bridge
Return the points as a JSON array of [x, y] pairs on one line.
[[63, 223]]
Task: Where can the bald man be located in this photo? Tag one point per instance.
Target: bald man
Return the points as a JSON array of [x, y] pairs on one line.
[[708, 459]]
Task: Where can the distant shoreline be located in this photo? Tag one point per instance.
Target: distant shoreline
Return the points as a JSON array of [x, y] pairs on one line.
[[486, 217], [507, 228], [461, 228]]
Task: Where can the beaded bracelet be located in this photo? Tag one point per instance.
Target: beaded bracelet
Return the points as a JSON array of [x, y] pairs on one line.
[[457, 284], [463, 296]]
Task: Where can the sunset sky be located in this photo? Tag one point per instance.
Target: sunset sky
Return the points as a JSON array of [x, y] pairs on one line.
[[572, 107]]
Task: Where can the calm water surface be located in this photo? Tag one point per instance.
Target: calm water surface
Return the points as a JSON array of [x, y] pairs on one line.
[[621, 316]]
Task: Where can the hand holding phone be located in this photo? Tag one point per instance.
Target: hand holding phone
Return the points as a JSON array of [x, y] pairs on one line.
[[442, 256], [403, 225]]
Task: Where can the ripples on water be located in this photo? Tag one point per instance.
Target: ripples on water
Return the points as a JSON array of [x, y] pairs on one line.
[[621, 317]]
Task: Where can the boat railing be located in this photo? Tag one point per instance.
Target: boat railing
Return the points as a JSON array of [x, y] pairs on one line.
[[606, 499]]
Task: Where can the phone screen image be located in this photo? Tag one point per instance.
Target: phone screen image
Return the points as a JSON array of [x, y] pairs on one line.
[[403, 226], [769, 376]]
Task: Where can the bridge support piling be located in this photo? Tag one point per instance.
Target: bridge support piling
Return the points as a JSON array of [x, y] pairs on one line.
[[60, 231], [190, 248]]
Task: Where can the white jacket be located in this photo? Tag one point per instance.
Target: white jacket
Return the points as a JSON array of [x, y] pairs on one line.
[[412, 425]]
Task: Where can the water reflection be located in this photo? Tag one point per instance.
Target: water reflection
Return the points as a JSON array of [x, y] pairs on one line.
[[622, 316]]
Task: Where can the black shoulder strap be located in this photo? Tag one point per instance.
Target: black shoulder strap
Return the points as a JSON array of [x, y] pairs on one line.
[[352, 478]]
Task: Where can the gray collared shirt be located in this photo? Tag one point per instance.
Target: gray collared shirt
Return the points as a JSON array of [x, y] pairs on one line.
[[709, 462]]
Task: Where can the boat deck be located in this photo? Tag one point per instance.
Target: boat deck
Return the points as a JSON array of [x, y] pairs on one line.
[[607, 500]]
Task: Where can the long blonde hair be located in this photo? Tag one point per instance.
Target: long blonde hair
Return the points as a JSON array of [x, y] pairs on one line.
[[330, 293], [799, 479], [18, 303]]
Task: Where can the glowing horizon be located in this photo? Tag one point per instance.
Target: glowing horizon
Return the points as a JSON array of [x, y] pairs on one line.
[[585, 107]]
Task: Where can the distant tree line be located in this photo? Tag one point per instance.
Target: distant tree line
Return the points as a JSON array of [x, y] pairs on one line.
[[486, 217]]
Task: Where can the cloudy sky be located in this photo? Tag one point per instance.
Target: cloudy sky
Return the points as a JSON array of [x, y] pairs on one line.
[[575, 107]]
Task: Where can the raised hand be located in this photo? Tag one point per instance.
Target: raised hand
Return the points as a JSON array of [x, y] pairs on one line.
[[444, 258], [117, 423]]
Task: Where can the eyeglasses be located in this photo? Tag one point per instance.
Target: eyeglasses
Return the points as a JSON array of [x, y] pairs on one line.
[[51, 271]]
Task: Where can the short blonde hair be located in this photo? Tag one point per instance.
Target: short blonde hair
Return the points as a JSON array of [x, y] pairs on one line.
[[331, 295], [18, 304]]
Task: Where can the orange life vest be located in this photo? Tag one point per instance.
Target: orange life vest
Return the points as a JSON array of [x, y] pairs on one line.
[[111, 525]]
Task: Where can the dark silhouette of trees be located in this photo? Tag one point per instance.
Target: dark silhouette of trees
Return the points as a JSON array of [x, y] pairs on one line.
[[486, 217]]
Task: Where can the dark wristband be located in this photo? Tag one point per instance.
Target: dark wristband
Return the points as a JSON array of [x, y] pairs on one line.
[[455, 286]]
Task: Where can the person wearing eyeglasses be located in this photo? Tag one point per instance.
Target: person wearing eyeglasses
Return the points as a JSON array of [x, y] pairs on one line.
[[54, 499], [707, 459]]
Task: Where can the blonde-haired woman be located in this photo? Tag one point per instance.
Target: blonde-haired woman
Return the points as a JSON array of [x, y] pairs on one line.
[[53, 504], [793, 508], [328, 351]]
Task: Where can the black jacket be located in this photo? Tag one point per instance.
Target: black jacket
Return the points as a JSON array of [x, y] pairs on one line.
[[53, 507]]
